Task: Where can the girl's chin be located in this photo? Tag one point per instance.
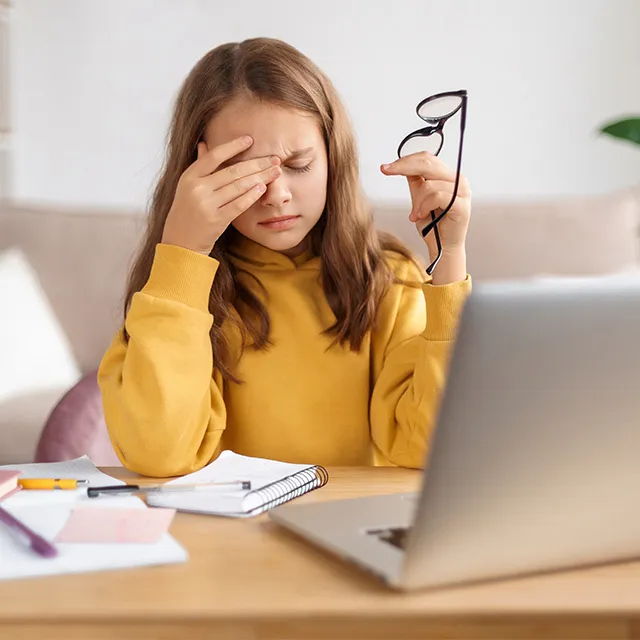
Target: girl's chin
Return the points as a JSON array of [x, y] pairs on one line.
[[289, 246]]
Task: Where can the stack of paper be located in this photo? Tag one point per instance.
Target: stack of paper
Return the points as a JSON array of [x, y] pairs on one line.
[[46, 512]]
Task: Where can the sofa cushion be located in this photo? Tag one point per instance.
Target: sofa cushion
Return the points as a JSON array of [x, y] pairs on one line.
[[34, 351], [81, 258], [21, 420], [76, 427]]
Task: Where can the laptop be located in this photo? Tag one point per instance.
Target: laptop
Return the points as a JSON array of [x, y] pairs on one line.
[[535, 461]]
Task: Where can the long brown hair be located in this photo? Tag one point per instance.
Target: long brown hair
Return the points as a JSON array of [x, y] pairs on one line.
[[354, 272]]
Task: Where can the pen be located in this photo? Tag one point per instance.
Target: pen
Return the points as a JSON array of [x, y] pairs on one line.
[[239, 485], [37, 543], [51, 483]]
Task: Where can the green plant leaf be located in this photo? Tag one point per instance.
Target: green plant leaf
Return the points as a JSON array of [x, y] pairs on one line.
[[628, 129]]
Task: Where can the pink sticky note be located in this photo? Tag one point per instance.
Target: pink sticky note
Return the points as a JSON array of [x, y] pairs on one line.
[[106, 525]]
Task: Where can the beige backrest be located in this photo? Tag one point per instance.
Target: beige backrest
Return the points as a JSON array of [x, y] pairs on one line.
[[82, 257], [567, 236]]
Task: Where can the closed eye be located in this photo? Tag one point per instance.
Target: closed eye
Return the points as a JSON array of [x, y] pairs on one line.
[[301, 169]]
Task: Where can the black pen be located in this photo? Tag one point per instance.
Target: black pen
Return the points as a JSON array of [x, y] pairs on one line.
[[237, 485]]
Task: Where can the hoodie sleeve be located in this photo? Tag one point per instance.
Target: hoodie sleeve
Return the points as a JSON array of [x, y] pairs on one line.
[[162, 397], [411, 350]]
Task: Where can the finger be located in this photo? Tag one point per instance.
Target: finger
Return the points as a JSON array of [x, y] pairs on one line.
[[230, 192], [421, 223], [416, 186], [238, 206], [421, 189], [422, 164], [426, 188], [202, 149], [429, 202], [240, 170], [211, 160], [431, 186]]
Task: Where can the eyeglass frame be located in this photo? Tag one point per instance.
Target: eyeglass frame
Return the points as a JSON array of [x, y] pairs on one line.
[[437, 127]]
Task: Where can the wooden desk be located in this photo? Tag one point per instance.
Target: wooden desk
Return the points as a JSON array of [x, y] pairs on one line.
[[250, 579]]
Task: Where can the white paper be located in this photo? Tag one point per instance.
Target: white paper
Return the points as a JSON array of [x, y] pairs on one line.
[[46, 512], [78, 469], [228, 467]]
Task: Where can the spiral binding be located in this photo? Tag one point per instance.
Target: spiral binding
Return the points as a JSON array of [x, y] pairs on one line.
[[288, 488]]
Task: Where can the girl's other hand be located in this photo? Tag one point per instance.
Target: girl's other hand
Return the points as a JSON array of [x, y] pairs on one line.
[[431, 183]]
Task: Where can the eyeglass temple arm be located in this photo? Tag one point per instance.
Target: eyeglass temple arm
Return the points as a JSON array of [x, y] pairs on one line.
[[463, 122]]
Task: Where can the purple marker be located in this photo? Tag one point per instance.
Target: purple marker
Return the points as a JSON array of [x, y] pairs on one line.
[[37, 543]]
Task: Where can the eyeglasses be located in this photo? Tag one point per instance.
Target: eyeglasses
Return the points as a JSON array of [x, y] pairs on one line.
[[436, 110]]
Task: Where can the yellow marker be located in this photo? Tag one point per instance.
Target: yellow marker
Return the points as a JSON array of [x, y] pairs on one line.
[[51, 483]]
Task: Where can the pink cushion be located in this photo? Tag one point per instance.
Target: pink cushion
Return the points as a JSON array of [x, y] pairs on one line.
[[76, 427]]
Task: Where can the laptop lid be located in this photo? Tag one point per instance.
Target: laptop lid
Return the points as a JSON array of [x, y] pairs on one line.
[[535, 463]]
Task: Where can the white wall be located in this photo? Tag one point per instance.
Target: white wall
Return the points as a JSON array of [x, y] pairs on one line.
[[93, 83]]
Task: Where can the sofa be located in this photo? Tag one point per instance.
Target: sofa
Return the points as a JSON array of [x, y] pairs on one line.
[[81, 258]]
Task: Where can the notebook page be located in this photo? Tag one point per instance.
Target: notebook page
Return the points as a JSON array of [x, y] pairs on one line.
[[228, 467]]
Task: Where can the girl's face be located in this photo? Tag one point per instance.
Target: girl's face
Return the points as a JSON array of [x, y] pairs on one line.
[[294, 202]]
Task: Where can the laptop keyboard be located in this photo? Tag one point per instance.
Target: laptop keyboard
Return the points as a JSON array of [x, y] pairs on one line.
[[395, 536]]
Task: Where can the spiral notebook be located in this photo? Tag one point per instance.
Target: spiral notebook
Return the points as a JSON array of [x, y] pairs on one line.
[[272, 484]]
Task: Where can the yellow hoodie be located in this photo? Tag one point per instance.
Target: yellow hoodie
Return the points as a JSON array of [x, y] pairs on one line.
[[169, 412]]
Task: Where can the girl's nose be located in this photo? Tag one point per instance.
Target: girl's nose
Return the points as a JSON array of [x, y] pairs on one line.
[[277, 193]]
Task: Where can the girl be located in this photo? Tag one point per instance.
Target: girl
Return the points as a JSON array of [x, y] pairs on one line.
[[264, 314]]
